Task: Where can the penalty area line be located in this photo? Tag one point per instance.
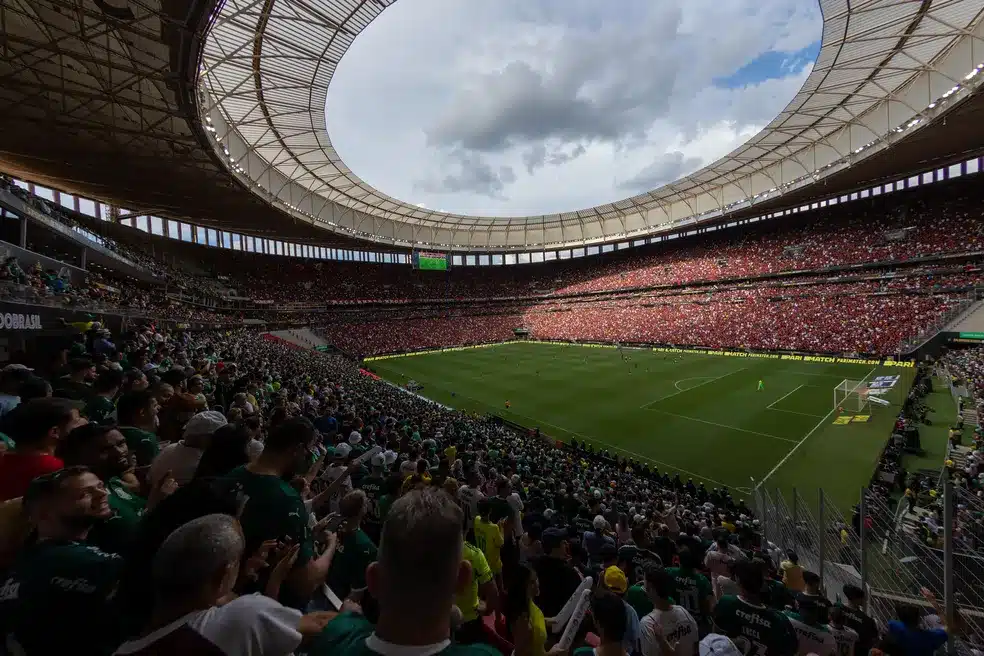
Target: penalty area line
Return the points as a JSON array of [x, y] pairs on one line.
[[646, 406], [802, 441]]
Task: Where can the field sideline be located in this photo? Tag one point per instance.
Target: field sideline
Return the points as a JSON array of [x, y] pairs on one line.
[[698, 415]]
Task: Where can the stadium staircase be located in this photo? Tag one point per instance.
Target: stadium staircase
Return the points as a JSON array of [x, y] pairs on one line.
[[302, 337], [970, 320]]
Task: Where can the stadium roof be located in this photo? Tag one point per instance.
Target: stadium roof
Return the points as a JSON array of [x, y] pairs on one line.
[[884, 70], [110, 101]]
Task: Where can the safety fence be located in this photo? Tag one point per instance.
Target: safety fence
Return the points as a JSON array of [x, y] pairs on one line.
[[919, 556]]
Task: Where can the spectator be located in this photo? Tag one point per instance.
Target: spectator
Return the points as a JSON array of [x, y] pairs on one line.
[[36, 428], [792, 572], [855, 618], [558, 579], [59, 575], [275, 511], [614, 580], [227, 449], [355, 550], [12, 378], [908, 633], [669, 630], [137, 415], [99, 407], [419, 568], [183, 457], [195, 569], [76, 386], [745, 617]]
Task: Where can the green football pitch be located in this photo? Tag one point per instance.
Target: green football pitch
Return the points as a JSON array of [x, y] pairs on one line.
[[701, 416]]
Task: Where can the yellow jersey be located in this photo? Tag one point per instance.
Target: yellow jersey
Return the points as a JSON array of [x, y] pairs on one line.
[[467, 599], [488, 537]]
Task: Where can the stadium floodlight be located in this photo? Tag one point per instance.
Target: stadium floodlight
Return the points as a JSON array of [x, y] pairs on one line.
[[851, 396]]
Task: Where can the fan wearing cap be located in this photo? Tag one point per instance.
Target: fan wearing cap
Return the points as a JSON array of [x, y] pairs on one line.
[[374, 486], [36, 427], [614, 580], [558, 578], [59, 577], [667, 625], [182, 457], [338, 468]]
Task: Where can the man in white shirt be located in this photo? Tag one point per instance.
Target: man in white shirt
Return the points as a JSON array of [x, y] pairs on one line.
[[812, 635], [845, 637], [194, 569], [672, 622], [338, 468]]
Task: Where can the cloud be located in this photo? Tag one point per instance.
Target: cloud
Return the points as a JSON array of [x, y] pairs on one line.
[[666, 168], [471, 174], [513, 107]]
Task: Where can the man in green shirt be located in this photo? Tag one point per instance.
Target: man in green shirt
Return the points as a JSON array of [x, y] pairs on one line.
[[103, 450], [137, 414], [355, 549], [274, 510], [59, 575], [693, 589], [374, 485], [755, 629], [99, 406], [414, 580]]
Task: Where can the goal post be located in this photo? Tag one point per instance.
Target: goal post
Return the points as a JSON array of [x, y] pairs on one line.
[[852, 396]]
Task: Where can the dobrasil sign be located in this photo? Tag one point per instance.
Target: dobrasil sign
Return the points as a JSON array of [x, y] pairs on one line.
[[15, 321]]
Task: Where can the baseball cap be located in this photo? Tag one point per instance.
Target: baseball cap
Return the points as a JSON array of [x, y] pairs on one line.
[[599, 522], [342, 450], [378, 460], [354, 437], [204, 423], [16, 367], [715, 644], [615, 580]]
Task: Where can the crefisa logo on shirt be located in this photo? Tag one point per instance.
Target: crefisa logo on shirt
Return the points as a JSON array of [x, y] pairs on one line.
[[9, 590], [12, 321]]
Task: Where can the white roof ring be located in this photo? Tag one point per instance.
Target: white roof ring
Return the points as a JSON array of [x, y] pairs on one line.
[[885, 69]]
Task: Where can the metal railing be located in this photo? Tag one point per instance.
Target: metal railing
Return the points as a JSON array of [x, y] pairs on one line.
[[935, 551]]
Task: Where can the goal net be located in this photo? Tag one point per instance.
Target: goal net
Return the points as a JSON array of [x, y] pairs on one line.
[[851, 395]]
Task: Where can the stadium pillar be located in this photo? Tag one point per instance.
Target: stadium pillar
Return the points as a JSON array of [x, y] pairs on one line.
[[948, 590], [22, 240], [84, 258]]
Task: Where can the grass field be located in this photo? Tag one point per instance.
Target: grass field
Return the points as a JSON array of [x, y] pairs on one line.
[[698, 415]]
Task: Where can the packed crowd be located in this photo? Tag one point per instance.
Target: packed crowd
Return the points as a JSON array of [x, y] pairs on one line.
[[933, 220], [823, 319], [225, 493]]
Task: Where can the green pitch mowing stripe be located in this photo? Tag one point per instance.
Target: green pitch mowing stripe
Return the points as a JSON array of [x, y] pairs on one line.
[[701, 416]]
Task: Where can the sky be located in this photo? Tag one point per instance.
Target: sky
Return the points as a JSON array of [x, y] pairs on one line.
[[526, 107]]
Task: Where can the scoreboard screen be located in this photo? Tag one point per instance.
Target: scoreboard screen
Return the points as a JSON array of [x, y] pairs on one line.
[[429, 261]]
